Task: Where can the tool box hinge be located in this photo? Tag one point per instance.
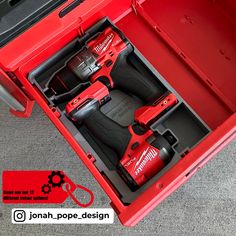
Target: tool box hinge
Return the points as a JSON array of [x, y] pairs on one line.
[[81, 31]]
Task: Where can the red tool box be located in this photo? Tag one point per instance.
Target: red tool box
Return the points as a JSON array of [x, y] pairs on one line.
[[184, 50]]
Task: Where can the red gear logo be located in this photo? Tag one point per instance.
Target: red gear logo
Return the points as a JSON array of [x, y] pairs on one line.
[[56, 179], [46, 189]]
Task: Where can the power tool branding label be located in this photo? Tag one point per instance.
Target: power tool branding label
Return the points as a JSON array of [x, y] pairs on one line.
[[102, 46], [148, 155]]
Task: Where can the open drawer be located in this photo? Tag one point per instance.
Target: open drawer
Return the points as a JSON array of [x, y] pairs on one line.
[[187, 47]]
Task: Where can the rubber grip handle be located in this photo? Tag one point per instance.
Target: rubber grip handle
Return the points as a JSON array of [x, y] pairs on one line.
[[108, 132], [126, 77]]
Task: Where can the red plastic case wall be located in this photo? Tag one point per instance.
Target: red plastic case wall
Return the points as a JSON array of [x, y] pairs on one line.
[[191, 43]]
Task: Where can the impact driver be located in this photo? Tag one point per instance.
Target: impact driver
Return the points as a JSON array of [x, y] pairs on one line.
[[142, 153]]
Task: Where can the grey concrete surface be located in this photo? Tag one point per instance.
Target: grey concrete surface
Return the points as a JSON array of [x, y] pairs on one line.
[[206, 205]]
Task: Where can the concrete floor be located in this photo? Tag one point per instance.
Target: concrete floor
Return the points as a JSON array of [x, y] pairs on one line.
[[206, 205]]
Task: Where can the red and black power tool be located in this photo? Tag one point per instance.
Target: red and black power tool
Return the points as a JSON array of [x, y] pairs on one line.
[[105, 58], [142, 152]]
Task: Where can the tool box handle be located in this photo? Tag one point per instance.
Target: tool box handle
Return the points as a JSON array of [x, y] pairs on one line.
[[6, 97]]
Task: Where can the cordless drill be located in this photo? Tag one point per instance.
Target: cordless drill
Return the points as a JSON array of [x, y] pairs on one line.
[[105, 58], [142, 153]]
